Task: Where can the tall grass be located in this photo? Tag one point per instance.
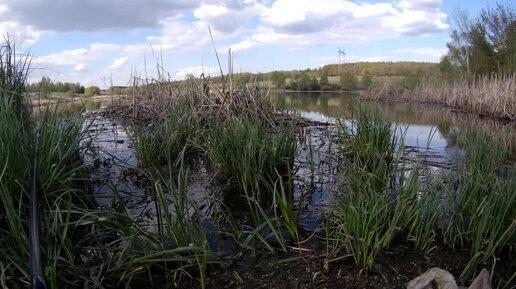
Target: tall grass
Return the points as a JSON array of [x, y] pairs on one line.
[[381, 199], [54, 144], [178, 133], [480, 211], [249, 153], [491, 95], [13, 76], [81, 245], [369, 212], [47, 146]]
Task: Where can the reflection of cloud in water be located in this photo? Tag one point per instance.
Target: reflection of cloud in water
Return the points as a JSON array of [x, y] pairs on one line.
[[317, 116], [423, 136]]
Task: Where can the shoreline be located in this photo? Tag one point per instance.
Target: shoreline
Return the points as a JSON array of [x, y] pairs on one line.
[[51, 101]]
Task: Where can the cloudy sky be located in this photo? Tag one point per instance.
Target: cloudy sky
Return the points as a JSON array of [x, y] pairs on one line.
[[99, 41]]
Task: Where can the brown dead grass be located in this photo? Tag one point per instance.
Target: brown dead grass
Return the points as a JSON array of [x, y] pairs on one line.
[[152, 100], [493, 96]]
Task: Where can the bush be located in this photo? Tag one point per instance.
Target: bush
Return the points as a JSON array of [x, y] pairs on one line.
[[92, 91]]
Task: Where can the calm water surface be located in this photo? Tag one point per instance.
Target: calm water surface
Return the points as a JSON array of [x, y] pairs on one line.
[[445, 125]]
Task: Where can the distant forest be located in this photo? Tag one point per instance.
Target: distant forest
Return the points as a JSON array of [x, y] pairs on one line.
[[348, 76]]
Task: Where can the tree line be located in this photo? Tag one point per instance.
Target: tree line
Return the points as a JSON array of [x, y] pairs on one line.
[[484, 45], [348, 76], [46, 86]]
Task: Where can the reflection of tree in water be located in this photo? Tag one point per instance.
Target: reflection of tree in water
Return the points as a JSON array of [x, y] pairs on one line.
[[451, 125]]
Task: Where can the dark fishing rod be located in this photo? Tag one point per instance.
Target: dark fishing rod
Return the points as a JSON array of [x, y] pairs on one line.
[[38, 278]]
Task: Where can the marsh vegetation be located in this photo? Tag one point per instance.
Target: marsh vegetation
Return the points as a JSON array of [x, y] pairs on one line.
[[226, 187]]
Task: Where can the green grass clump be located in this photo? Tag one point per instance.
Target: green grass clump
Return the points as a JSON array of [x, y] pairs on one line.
[[362, 220], [168, 140], [480, 212], [47, 146], [249, 152], [13, 76], [368, 139], [52, 144], [381, 199]]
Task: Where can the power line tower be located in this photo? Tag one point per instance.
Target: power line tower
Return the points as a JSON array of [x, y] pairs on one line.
[[342, 54]]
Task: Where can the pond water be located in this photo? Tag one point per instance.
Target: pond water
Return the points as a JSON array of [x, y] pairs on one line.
[[431, 135], [421, 120]]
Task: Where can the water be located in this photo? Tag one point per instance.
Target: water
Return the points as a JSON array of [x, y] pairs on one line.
[[431, 135], [421, 119]]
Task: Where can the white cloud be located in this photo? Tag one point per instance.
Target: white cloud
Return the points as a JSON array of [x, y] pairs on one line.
[[105, 47], [420, 4], [118, 63], [228, 17], [21, 34], [178, 36], [196, 71], [79, 67], [181, 26], [301, 23], [431, 53]]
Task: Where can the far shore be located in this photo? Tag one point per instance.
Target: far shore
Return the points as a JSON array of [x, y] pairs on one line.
[[49, 101]]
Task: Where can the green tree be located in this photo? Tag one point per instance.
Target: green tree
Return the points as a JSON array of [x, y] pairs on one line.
[[323, 81], [484, 45], [367, 80], [348, 81], [278, 78], [69, 93]]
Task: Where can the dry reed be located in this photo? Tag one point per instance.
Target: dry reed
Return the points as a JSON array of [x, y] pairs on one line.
[[152, 100], [493, 96]]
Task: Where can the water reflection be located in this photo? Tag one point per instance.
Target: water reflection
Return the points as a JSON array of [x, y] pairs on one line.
[[421, 119]]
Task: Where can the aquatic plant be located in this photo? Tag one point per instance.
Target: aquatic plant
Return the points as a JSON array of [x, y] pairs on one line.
[[361, 219], [367, 139], [13, 76], [248, 152], [81, 245], [480, 210], [167, 140]]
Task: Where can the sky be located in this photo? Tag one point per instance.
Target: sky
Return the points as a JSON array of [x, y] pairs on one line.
[[104, 42]]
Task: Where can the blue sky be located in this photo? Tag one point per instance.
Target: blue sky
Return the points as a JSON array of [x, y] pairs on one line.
[[96, 42]]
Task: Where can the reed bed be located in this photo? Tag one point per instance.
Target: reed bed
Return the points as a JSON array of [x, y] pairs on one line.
[[153, 100], [488, 95]]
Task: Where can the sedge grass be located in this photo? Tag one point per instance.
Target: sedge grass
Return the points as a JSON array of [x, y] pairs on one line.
[[379, 198], [248, 152], [177, 133], [81, 245], [361, 218], [482, 212]]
